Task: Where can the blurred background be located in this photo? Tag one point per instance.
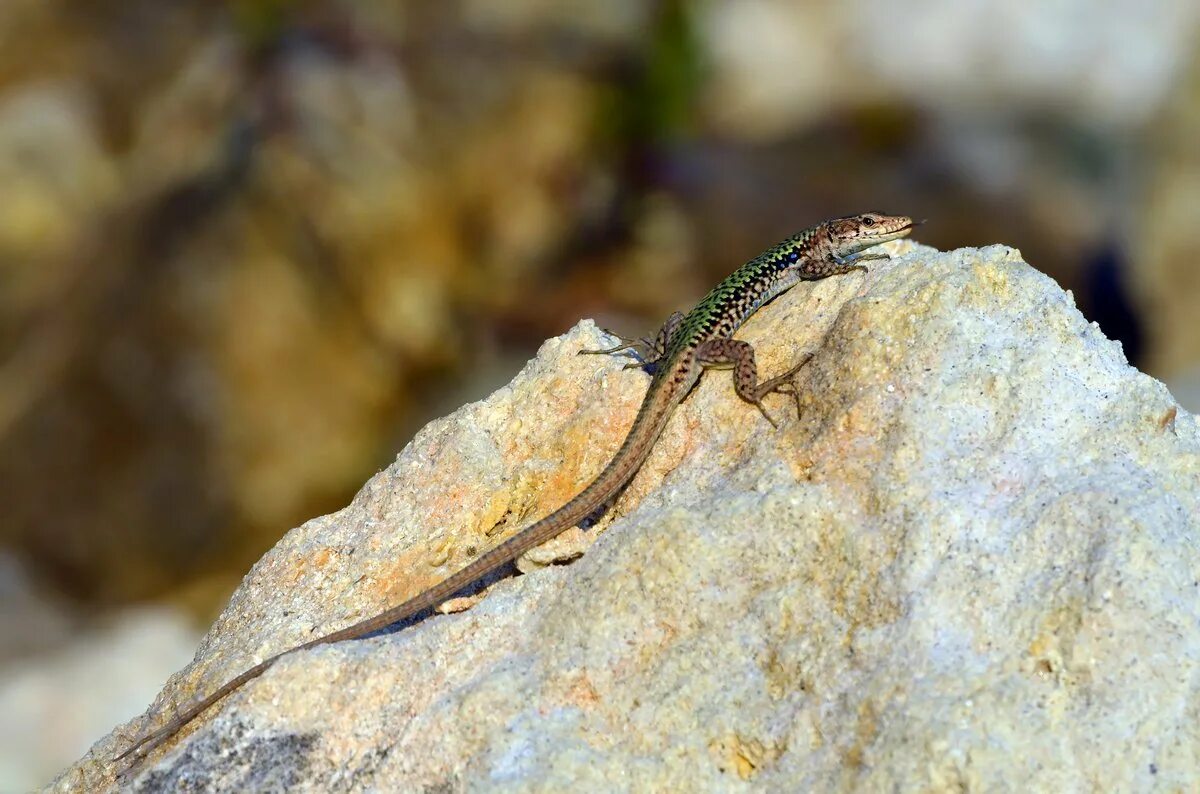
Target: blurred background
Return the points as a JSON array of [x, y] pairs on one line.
[[248, 247]]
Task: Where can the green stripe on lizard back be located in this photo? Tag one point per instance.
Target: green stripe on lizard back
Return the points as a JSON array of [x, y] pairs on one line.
[[731, 302]]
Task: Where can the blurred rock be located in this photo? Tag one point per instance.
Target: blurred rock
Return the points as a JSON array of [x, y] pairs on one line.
[[53, 169], [1166, 238], [774, 68], [182, 128], [614, 21], [1186, 388], [781, 63], [53, 703], [29, 624], [969, 564], [311, 232]]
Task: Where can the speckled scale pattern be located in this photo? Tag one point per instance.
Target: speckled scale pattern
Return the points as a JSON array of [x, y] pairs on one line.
[[732, 301]]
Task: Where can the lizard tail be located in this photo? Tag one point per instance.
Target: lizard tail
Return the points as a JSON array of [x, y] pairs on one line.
[[651, 419], [149, 741]]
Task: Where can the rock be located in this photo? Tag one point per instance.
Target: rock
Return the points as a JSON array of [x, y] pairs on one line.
[[54, 702], [971, 562]]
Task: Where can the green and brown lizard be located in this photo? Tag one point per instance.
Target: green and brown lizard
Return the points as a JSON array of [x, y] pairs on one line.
[[684, 347]]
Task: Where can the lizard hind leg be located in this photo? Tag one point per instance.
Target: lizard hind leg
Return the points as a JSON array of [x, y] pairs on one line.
[[785, 383], [663, 340], [648, 351], [718, 352], [627, 344]]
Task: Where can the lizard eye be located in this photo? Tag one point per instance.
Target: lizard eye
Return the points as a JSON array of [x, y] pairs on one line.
[[868, 221]]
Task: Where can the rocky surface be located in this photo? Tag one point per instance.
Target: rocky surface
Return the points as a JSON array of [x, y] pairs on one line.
[[972, 562]]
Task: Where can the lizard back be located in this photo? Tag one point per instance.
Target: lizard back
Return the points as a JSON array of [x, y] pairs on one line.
[[729, 304]]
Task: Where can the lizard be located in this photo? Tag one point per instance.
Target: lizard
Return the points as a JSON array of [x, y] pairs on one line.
[[683, 348]]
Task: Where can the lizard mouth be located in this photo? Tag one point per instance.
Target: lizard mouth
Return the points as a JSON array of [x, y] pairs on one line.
[[898, 232]]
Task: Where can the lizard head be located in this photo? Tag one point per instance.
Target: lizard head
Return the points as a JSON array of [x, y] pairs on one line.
[[855, 233]]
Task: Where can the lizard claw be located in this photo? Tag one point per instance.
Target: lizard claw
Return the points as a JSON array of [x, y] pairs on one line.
[[762, 408], [785, 384]]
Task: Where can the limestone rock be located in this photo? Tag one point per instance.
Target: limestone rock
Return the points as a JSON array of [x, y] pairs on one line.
[[972, 562]]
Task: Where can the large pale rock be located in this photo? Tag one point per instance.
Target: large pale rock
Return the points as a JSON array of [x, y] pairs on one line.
[[972, 562]]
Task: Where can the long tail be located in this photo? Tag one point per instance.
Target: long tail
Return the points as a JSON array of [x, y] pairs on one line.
[[651, 419]]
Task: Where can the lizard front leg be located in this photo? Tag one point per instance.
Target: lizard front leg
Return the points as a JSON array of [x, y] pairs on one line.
[[841, 265], [723, 352]]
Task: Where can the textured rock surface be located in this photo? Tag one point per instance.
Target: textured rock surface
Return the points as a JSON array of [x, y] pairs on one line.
[[973, 561]]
